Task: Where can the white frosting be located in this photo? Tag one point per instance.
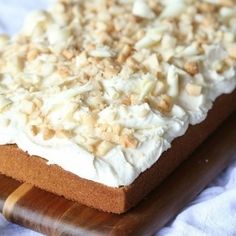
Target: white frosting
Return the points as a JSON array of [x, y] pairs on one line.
[[65, 98], [120, 166]]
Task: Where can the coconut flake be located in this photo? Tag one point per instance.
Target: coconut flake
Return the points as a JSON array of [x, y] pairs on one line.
[[141, 9]]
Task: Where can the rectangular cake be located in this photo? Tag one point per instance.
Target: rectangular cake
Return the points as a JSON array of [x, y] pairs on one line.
[[101, 100]]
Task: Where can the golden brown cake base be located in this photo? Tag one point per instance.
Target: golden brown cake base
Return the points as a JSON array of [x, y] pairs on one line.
[[34, 170]]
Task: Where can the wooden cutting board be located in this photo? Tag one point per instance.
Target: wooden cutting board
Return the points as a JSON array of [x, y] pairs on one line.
[[54, 215]]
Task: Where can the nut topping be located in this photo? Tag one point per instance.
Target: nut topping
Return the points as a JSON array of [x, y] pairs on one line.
[[193, 89], [99, 73]]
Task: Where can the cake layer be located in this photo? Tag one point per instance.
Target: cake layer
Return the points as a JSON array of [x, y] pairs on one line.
[[34, 170]]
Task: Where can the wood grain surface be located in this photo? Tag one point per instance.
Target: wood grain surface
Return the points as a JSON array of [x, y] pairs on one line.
[[54, 215]]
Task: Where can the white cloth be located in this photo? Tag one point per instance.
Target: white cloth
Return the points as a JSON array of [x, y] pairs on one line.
[[9, 229], [212, 213]]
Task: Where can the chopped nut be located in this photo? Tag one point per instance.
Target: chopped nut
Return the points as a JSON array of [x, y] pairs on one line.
[[32, 89], [226, 3], [134, 99], [71, 67], [37, 102], [81, 59], [110, 71], [60, 7], [205, 7], [124, 54], [103, 148], [88, 119], [104, 38], [35, 130], [32, 54], [89, 148], [140, 34], [102, 127], [133, 64], [193, 89], [57, 36], [110, 137], [163, 103], [95, 101], [128, 141], [89, 47], [191, 68], [63, 134], [126, 101], [208, 22], [229, 61], [68, 54], [48, 134], [116, 129], [154, 6], [63, 71]]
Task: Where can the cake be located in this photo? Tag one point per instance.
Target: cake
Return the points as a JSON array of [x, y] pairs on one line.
[[101, 100]]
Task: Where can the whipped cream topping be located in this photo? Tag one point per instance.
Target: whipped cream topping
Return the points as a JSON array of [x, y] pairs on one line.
[[105, 99]]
